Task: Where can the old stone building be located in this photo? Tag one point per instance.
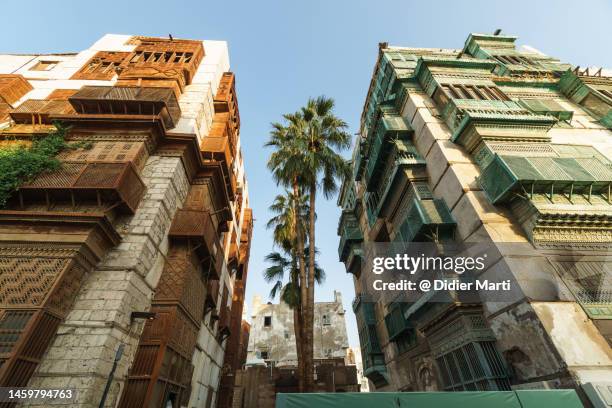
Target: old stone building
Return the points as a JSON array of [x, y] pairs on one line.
[[271, 365], [272, 336], [136, 248], [490, 144]]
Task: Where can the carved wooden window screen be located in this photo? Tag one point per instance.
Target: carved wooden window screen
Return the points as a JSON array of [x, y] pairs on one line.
[[102, 66], [134, 152]]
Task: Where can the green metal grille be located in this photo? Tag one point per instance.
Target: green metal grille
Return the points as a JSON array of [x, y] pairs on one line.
[[476, 366]]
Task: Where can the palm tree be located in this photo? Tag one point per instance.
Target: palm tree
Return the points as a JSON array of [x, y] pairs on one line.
[[305, 158], [289, 210], [325, 135], [286, 164], [282, 266]]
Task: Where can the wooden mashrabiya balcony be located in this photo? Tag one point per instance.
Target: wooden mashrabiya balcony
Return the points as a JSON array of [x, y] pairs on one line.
[[114, 183], [197, 226]]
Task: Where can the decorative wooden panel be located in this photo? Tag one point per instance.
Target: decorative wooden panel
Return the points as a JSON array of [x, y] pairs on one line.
[[102, 66], [134, 152], [163, 360], [119, 182], [181, 283], [26, 281], [197, 226], [163, 59], [37, 288]]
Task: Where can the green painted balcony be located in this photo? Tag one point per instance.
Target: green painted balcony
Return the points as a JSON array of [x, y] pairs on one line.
[[373, 358], [396, 323], [454, 111], [349, 232], [354, 259], [427, 220], [388, 129], [375, 369], [358, 161], [508, 176], [592, 92], [547, 107], [473, 121], [403, 156]]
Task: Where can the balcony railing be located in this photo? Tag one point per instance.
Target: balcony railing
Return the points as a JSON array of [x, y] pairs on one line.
[[128, 100], [99, 181], [198, 226]]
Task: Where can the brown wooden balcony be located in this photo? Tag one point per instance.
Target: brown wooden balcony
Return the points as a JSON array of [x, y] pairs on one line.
[[40, 111], [103, 182], [218, 149], [128, 100], [212, 292], [161, 58], [213, 172], [223, 126], [225, 99], [197, 225]]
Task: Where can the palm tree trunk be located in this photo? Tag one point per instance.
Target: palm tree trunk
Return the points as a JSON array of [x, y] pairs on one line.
[[309, 341], [299, 234], [297, 323], [297, 328]]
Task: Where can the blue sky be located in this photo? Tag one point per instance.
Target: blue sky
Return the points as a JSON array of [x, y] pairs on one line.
[[285, 51]]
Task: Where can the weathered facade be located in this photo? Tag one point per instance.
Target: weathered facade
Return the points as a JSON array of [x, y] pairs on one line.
[[235, 351], [488, 144], [137, 242], [272, 336], [271, 364]]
